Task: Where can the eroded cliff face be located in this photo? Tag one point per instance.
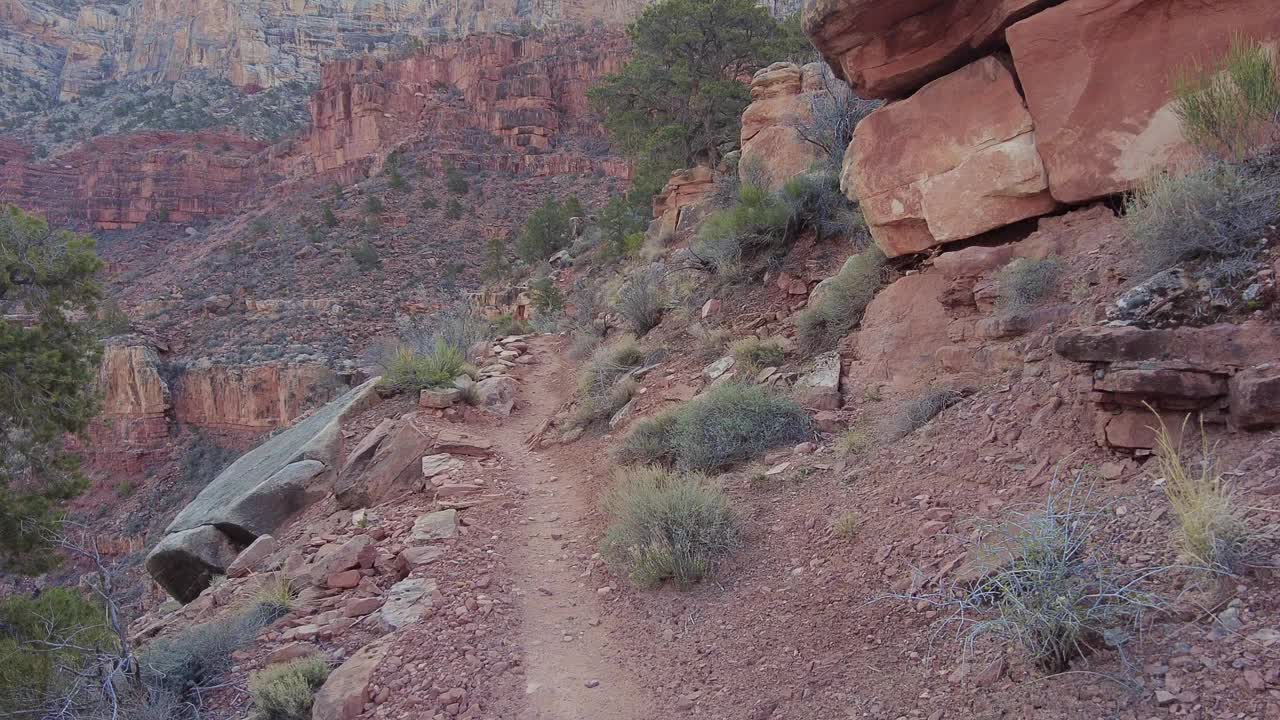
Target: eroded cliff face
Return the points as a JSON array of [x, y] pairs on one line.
[[254, 45], [497, 102], [145, 400], [119, 182]]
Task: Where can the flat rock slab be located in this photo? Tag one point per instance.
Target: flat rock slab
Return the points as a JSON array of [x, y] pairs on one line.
[[345, 692], [440, 525], [455, 442], [407, 602], [441, 464]]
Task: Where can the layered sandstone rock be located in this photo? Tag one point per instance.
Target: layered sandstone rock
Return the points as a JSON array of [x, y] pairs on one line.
[[253, 398], [521, 94], [686, 192], [136, 402], [1097, 76], [252, 45], [889, 48], [773, 148], [952, 161], [119, 182]]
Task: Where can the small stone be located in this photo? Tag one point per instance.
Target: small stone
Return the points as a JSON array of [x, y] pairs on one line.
[[592, 683]]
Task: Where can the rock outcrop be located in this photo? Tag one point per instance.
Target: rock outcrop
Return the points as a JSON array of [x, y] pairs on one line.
[[253, 497], [1100, 131], [119, 182], [1220, 373], [773, 149], [681, 201], [952, 161], [889, 48], [522, 95], [253, 398]]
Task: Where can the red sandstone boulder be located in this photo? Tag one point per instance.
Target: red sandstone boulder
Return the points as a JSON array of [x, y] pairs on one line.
[[952, 161], [686, 190], [773, 149], [888, 48], [1096, 74], [1255, 397], [903, 328]]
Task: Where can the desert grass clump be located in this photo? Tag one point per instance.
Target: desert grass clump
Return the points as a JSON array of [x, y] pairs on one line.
[[1049, 588], [196, 658], [846, 526], [1217, 212], [732, 423], [274, 597], [1231, 110], [754, 354], [642, 301], [411, 371], [667, 525], [604, 386], [1211, 533], [853, 442], [1024, 283], [287, 690], [917, 412], [841, 301]]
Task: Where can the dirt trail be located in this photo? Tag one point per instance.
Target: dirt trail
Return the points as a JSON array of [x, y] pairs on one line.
[[569, 673]]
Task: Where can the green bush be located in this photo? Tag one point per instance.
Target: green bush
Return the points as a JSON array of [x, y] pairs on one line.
[[366, 256], [430, 203], [642, 301], [1024, 283], [814, 200], [373, 205], [1218, 211], [603, 387], [455, 182], [31, 672], [753, 354], [327, 216], [410, 371], [731, 423], [1231, 110], [548, 229], [665, 525], [454, 210], [286, 691], [547, 298], [758, 221], [841, 302]]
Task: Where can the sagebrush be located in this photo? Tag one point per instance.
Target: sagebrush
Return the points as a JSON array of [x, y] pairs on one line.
[[1231, 109], [753, 354], [286, 691], [667, 525], [917, 412], [729, 424], [840, 302], [1025, 283], [643, 300]]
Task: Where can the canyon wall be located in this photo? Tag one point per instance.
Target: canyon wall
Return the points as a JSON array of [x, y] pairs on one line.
[[145, 400], [1003, 110], [119, 182], [497, 102]]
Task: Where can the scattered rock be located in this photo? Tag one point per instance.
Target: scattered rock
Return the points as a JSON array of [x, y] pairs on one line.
[[497, 395], [345, 692], [439, 525], [439, 399], [407, 602]]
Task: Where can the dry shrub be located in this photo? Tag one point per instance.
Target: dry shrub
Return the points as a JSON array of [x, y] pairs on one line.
[[917, 413], [1231, 110], [1024, 283], [666, 525], [1218, 211], [1049, 589], [729, 424], [642, 301], [1211, 532], [286, 691], [603, 386], [846, 526], [841, 302], [754, 354]]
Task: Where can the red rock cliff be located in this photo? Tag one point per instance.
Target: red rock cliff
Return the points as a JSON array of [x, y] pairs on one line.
[[122, 181]]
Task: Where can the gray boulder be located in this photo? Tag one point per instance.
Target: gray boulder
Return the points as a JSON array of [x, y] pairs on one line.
[[254, 497]]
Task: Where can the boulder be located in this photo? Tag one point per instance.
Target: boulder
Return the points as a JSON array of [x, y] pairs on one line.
[[497, 395], [358, 552], [773, 149], [439, 399], [456, 442], [1255, 397], [971, 166], [1100, 131], [686, 188], [184, 563], [393, 467], [902, 330], [1166, 386], [346, 690], [441, 464], [252, 557], [889, 48], [820, 388], [407, 602], [439, 525]]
